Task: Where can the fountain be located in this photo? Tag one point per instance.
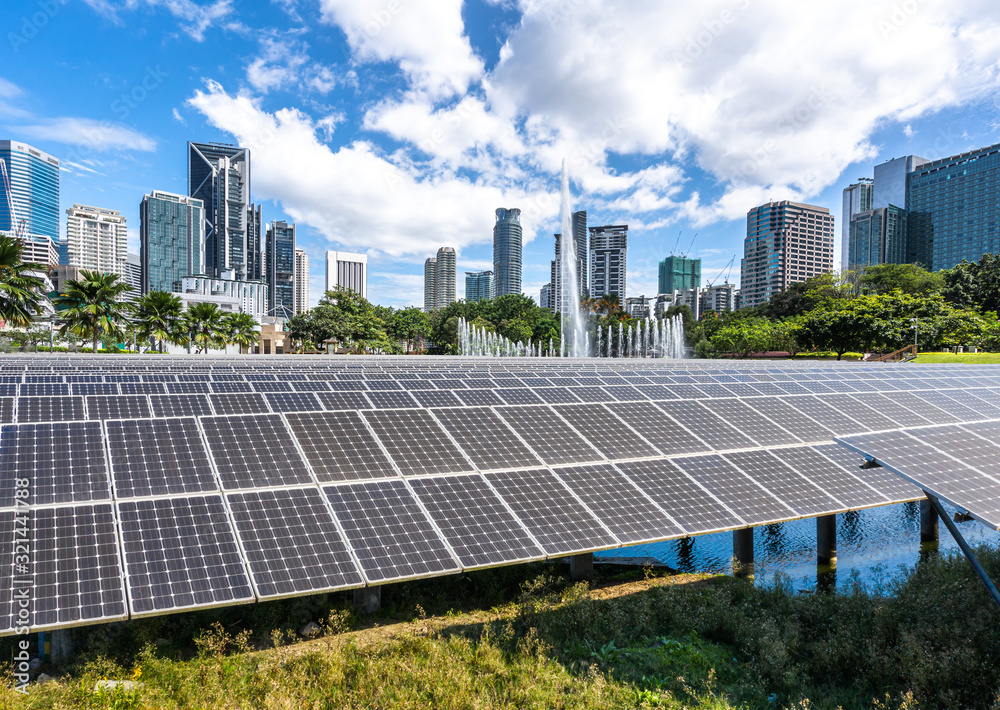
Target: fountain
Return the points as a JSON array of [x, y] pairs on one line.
[[573, 325]]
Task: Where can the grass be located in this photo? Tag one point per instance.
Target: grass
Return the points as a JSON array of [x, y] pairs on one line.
[[523, 637], [963, 358]]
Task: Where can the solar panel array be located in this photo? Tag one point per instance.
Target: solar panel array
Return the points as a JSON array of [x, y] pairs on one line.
[[155, 485]]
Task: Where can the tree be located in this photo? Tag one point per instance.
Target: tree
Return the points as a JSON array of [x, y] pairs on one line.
[[743, 338], [91, 306], [21, 294], [346, 318], [911, 279], [801, 297], [204, 320], [240, 329], [974, 285], [408, 325], [158, 315]]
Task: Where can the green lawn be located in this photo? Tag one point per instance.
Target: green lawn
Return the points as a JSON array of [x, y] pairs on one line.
[[963, 359]]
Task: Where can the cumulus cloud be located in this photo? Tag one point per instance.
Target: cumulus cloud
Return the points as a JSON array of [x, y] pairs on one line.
[[284, 63], [88, 133]]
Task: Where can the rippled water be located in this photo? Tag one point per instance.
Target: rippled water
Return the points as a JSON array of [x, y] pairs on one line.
[[878, 544]]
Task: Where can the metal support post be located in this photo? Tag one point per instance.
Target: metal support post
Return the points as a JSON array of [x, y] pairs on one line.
[[368, 599], [61, 646], [826, 540], [928, 524], [743, 552], [969, 554], [581, 566]]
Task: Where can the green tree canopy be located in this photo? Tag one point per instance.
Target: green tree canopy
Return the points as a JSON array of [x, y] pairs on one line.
[[802, 297], [158, 316], [408, 325], [21, 294], [204, 320], [975, 284], [91, 306], [240, 329], [345, 317], [911, 279]]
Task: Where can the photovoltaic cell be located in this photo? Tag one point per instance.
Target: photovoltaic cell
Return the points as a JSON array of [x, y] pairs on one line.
[[63, 462], [779, 410], [50, 409], [388, 532], [657, 428], [754, 425], [839, 482], [885, 482], [436, 398], [339, 446], [480, 530], [560, 523], [835, 420], [292, 543], [478, 398], [239, 403], [76, 573], [134, 406], [273, 460], [180, 405], [797, 492], [548, 435], [709, 427], [158, 457], [736, 491], [415, 442], [293, 402], [344, 400], [606, 432], [694, 509], [180, 553], [485, 439], [630, 516], [391, 400]]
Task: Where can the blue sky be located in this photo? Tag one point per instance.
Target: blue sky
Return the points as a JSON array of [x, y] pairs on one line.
[[395, 127]]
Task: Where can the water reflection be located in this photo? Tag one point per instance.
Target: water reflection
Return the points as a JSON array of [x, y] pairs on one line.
[[876, 544]]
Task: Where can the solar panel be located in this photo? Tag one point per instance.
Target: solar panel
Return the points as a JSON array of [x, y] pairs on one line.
[[736, 491], [967, 445], [888, 484], [142, 388], [799, 493], [388, 532], [158, 457], [187, 387], [118, 407], [180, 405], [273, 460], [657, 428], [474, 521], [942, 401], [225, 387], [925, 409], [180, 553], [6, 410], [557, 520], [293, 402], [291, 542], [606, 432], [95, 388], [760, 429], [391, 400], [548, 435], [436, 398], [626, 512], [780, 411], [555, 395], [50, 409], [269, 387], [485, 439], [339, 447], [859, 412], [833, 419], [832, 478], [239, 403], [478, 398], [75, 570], [415, 442], [43, 390], [518, 395], [344, 400], [62, 462], [709, 427], [694, 508], [310, 386], [977, 400]]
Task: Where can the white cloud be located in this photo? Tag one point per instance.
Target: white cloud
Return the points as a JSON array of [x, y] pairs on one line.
[[89, 133], [178, 117], [284, 63], [195, 19], [427, 39]]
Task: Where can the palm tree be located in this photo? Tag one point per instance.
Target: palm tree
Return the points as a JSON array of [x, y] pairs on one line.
[[21, 294], [241, 329], [91, 305], [158, 315], [204, 320]]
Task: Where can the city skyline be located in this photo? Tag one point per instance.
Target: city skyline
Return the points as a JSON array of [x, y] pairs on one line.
[[357, 123]]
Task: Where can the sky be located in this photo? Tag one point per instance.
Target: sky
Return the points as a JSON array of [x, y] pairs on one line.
[[395, 127]]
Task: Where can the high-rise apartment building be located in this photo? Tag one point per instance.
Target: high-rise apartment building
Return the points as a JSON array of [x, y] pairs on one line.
[[608, 249], [133, 274], [478, 286], [507, 240], [34, 186], [280, 269], [545, 296], [953, 209], [560, 291], [301, 282], [171, 240], [346, 270], [877, 236], [96, 239], [219, 176], [579, 222], [786, 242], [721, 298], [439, 279], [857, 199], [678, 273]]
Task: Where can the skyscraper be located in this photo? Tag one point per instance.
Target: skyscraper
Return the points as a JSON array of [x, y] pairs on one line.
[[953, 209], [439, 279], [133, 273], [34, 185], [219, 176], [891, 179], [786, 242], [96, 240], [857, 199], [545, 296], [579, 222], [877, 236], [301, 282], [559, 292], [507, 252], [678, 273], [347, 270], [608, 250], [171, 240], [280, 269], [478, 286]]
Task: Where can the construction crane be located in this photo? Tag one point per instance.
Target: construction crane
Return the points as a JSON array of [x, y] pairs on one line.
[[688, 250], [677, 243], [727, 269]]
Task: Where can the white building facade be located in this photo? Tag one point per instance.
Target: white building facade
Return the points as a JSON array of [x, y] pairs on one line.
[[96, 240], [301, 282], [347, 270], [229, 294]]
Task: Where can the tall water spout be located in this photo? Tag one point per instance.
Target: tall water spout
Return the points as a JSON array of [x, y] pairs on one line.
[[573, 324]]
